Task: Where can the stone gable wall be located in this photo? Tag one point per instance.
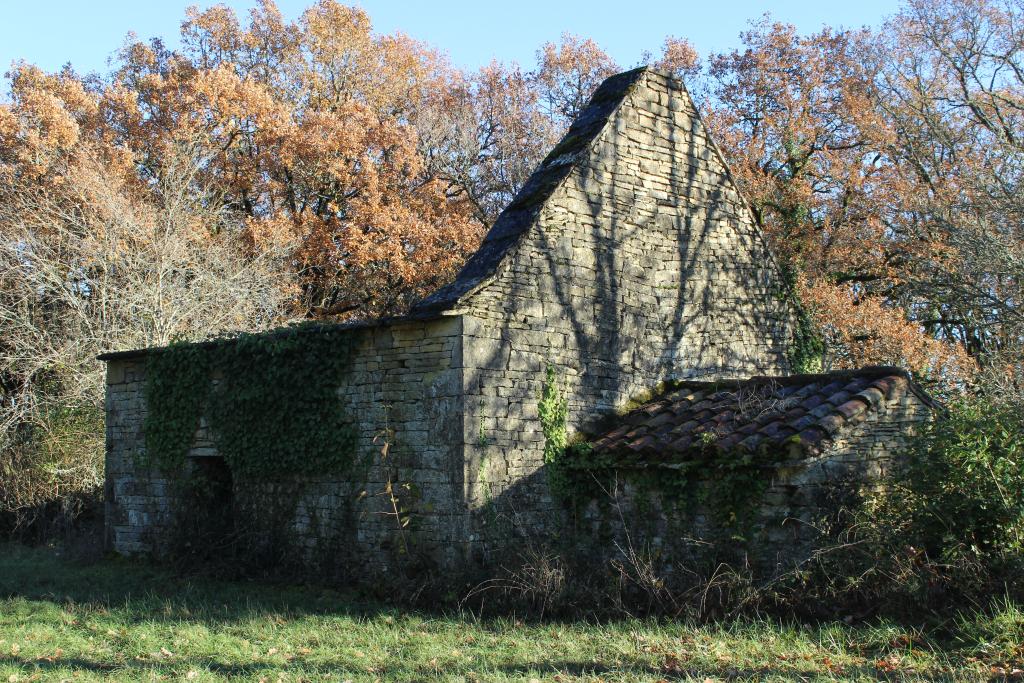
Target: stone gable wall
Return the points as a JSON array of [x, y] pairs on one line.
[[405, 379], [644, 265]]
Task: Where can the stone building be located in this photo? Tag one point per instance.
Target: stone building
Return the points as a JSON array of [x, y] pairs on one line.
[[629, 261]]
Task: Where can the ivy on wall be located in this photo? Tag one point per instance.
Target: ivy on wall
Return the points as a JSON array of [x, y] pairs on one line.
[[177, 385], [271, 400], [728, 488], [807, 348], [552, 408], [727, 485]]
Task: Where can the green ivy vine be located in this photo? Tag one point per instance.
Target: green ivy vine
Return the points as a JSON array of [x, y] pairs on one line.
[[732, 489], [728, 485], [553, 409], [177, 386], [807, 349], [271, 401]]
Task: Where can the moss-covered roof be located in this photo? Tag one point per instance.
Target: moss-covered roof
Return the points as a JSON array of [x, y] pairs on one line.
[[761, 414]]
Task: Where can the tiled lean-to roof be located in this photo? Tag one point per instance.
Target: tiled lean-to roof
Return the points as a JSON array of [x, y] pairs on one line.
[[758, 415]]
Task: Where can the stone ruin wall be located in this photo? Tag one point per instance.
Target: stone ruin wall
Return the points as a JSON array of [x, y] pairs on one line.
[[404, 377], [784, 522], [644, 266]]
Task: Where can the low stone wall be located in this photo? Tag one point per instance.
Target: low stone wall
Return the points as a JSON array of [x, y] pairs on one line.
[[404, 388], [769, 520]]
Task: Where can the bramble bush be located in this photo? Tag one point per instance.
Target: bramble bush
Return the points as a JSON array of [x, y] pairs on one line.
[[964, 488], [949, 528]]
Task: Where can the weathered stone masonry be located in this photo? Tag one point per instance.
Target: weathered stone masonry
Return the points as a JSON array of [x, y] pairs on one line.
[[629, 258], [404, 385]]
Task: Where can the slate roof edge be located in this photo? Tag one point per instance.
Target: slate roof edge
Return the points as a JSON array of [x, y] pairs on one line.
[[516, 220], [308, 328]]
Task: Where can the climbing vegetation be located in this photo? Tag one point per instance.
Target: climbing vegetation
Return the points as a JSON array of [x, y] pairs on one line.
[[727, 488], [271, 399], [553, 409], [177, 386], [806, 352]]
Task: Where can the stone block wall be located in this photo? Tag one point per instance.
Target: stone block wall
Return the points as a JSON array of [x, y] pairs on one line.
[[405, 386], [643, 265], [140, 503]]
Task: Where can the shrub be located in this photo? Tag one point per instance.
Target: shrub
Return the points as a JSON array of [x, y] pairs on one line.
[[947, 531], [50, 471], [95, 267], [964, 486]]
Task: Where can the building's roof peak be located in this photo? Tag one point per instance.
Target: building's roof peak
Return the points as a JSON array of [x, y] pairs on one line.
[[521, 213]]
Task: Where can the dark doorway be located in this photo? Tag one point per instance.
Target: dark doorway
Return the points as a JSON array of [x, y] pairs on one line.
[[207, 523]]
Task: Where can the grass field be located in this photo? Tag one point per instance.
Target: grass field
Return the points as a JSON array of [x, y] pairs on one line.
[[116, 620]]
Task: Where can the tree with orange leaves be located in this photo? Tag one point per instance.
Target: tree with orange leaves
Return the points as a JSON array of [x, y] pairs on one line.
[[485, 135], [491, 129], [567, 74], [953, 88], [311, 130], [801, 121]]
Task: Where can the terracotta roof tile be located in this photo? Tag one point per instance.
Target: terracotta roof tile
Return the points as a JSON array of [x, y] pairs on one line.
[[754, 415], [872, 396], [729, 442], [750, 443], [812, 436], [813, 401], [852, 408], [681, 444], [832, 423], [824, 408], [839, 397]]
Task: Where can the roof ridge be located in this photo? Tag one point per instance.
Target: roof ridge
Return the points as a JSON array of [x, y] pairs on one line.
[[800, 378], [521, 214], [804, 378]]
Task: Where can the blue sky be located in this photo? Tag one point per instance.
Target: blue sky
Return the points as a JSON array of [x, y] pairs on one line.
[[87, 32]]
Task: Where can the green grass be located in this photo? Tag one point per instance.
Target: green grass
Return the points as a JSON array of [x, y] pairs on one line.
[[117, 620]]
